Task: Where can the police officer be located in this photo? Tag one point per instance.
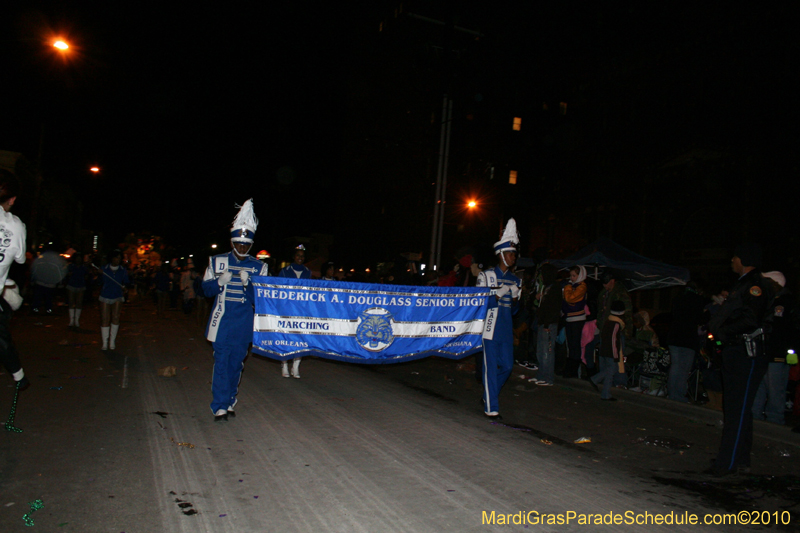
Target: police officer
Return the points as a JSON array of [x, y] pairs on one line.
[[498, 352], [230, 326], [737, 325]]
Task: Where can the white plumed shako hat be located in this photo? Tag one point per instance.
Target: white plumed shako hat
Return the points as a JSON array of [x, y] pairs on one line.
[[509, 240], [245, 224]]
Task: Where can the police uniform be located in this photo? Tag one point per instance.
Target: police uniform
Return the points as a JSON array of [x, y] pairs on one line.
[[742, 313], [498, 352], [230, 326]]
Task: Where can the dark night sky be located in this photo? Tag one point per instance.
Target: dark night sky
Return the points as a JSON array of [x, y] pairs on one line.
[[191, 107]]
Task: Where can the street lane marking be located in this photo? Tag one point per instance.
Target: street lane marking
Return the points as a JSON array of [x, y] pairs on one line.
[[125, 374]]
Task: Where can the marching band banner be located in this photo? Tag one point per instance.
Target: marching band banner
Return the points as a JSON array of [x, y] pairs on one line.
[[366, 323]]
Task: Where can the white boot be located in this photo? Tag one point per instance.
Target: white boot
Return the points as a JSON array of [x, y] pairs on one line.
[[77, 318], [71, 317], [296, 368], [112, 344], [285, 369], [104, 335]]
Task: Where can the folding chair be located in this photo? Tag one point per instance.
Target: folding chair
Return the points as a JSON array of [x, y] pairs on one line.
[[654, 368]]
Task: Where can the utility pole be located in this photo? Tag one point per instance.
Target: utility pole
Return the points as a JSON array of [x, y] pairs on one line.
[[444, 136], [441, 183]]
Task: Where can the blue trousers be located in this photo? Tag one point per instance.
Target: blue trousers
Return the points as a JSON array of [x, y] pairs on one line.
[[741, 376], [770, 402], [498, 360], [609, 368], [681, 361], [228, 364], [546, 353]]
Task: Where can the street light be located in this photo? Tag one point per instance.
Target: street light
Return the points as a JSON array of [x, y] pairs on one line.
[[61, 45], [95, 169], [472, 204]]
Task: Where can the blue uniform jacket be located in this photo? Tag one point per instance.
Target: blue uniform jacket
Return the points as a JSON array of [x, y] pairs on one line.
[[231, 319], [289, 272], [110, 289], [505, 305]]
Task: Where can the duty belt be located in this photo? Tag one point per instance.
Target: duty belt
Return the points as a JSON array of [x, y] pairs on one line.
[[750, 341]]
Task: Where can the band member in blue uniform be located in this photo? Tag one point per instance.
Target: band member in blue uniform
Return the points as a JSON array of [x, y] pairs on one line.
[[498, 352], [230, 326], [115, 279], [296, 270]]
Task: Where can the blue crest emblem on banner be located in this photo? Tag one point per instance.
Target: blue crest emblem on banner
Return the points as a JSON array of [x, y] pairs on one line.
[[374, 332]]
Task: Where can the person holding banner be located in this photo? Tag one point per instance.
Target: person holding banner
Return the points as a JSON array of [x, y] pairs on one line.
[[498, 344], [296, 270], [230, 326]]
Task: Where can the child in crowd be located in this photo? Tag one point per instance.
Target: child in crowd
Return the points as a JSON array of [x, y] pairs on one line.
[[611, 358]]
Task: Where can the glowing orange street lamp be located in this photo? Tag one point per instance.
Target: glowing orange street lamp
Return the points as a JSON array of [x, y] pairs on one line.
[[95, 169], [472, 204], [61, 45]]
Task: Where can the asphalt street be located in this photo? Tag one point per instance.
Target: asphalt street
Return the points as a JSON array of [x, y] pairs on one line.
[[107, 444]]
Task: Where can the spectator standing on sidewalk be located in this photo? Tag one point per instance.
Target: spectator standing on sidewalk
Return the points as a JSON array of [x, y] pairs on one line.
[[783, 334], [547, 314], [12, 249], [689, 315], [230, 326], [296, 270], [573, 308], [614, 290], [188, 276], [611, 357]]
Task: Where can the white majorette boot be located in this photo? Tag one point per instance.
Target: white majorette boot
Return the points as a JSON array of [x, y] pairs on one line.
[[71, 317], [77, 318], [104, 335], [296, 368], [112, 343], [285, 369]]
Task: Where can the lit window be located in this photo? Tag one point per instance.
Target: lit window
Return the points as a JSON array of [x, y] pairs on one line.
[[512, 177], [517, 123]]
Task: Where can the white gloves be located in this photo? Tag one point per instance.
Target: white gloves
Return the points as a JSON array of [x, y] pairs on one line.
[[224, 278], [502, 291], [515, 291], [245, 275], [11, 294]]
